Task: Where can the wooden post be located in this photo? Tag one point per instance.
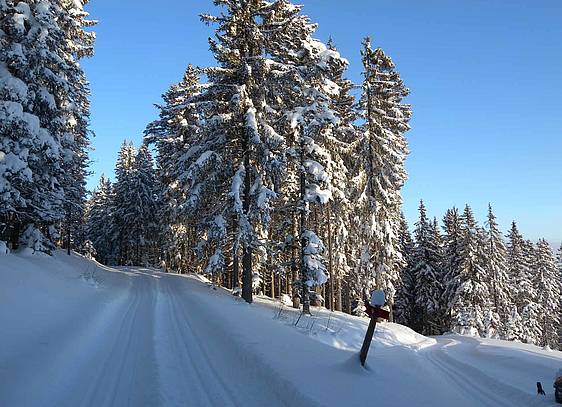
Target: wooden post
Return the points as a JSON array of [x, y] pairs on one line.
[[367, 340], [374, 310]]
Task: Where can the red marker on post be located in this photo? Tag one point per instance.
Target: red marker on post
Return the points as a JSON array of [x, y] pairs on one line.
[[375, 311]]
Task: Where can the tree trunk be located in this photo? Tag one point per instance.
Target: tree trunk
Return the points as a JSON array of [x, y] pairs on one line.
[[15, 234], [235, 267], [68, 238], [294, 276], [330, 295], [304, 273], [270, 270], [338, 305], [247, 248], [347, 298], [279, 285]]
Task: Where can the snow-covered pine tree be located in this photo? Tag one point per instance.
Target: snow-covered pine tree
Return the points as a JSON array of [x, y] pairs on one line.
[[383, 151], [44, 97], [559, 264], [426, 260], [439, 247], [134, 206], [338, 214], [313, 121], [404, 305], [451, 262], [491, 322], [143, 226], [559, 259], [124, 204], [31, 152], [496, 270], [546, 281], [20, 131], [176, 135], [522, 288], [274, 75], [472, 298], [531, 315], [78, 44], [513, 326], [99, 221], [255, 43]]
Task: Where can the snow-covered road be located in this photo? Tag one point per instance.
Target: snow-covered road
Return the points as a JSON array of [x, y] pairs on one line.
[[153, 344], [74, 333]]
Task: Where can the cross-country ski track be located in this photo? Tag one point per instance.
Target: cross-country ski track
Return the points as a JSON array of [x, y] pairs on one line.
[[75, 333]]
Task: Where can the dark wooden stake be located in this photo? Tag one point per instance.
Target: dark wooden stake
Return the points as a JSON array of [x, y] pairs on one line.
[[367, 340]]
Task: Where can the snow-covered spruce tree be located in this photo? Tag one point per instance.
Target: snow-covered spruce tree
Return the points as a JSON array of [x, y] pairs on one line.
[[77, 44], [547, 285], [313, 125], [144, 207], [531, 314], [496, 270], [134, 207], [451, 262], [272, 76], [404, 304], [30, 163], [123, 207], [522, 288], [492, 324], [559, 259], [43, 96], [559, 264], [439, 245], [20, 131], [176, 136], [254, 40], [512, 330], [339, 211], [426, 261], [99, 220], [383, 151], [472, 298]]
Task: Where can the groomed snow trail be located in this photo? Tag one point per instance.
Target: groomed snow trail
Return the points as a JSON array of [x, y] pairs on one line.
[[74, 333], [149, 343], [199, 364], [477, 370]]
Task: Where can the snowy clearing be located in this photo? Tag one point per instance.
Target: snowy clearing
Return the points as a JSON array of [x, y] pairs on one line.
[[75, 333]]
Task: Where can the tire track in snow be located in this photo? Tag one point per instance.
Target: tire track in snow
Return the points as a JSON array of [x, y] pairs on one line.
[[124, 369], [474, 382], [56, 374], [241, 373], [198, 389], [105, 375], [226, 397]]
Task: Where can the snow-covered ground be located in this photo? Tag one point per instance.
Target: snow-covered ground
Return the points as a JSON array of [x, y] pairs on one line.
[[75, 333]]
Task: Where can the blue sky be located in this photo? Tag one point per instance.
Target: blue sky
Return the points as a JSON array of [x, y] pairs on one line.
[[485, 77]]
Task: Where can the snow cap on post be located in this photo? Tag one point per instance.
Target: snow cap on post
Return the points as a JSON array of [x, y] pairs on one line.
[[378, 298]]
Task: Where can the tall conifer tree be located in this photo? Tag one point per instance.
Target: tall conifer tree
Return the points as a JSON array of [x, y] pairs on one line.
[[383, 150], [472, 298], [43, 117], [547, 284], [404, 306], [497, 268], [426, 268]]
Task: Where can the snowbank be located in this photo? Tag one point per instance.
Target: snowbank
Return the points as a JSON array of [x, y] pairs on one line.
[[344, 331]]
